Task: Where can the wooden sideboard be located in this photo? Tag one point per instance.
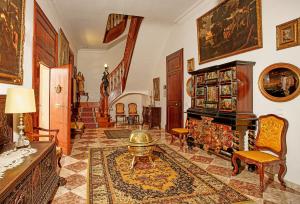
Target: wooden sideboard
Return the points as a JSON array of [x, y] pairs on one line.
[[152, 116], [6, 123], [33, 181]]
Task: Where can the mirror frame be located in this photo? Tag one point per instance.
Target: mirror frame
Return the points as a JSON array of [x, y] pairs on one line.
[[270, 68]]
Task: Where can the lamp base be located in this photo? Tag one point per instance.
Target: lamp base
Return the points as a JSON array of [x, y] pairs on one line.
[[22, 140], [22, 143], [24, 146]]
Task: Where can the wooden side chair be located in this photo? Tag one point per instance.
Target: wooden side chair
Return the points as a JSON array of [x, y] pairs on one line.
[[120, 112], [180, 133], [271, 136], [77, 127], [42, 134], [132, 112]]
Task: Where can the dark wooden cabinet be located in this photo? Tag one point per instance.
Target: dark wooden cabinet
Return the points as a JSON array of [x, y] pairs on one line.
[[6, 124], [33, 181], [152, 116], [222, 106]]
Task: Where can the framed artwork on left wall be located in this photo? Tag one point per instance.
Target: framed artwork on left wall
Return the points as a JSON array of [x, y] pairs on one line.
[[11, 41], [64, 50]]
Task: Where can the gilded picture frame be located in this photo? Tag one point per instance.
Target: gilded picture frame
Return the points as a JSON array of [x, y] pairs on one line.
[[12, 31], [190, 87], [191, 65], [156, 91], [288, 34], [280, 82], [64, 49], [232, 27]]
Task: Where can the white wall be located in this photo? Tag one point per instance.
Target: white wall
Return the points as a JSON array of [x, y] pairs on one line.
[[147, 52], [91, 64], [27, 57], [184, 35]]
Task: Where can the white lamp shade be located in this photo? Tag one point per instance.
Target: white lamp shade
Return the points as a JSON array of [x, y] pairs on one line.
[[20, 100]]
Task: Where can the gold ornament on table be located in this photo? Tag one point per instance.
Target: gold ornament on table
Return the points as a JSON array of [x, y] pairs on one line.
[[20, 100]]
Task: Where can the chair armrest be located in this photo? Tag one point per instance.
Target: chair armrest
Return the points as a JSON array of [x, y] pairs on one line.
[[51, 136]]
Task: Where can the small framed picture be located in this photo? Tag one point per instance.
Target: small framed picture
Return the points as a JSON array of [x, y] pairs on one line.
[[191, 65], [288, 34]]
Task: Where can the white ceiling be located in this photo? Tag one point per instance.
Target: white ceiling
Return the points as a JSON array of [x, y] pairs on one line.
[[86, 19]]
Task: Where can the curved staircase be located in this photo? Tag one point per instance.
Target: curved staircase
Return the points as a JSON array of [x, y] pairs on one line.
[[118, 77]]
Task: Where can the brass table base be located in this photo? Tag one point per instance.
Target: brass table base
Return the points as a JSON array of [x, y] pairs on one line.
[[144, 151]]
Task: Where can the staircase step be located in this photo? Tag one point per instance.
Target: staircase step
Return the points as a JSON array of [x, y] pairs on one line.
[[87, 114], [88, 109], [91, 125], [89, 104], [88, 119]]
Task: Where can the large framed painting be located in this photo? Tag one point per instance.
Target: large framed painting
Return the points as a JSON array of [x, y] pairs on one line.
[[11, 41], [233, 27], [64, 49], [156, 91], [280, 82]]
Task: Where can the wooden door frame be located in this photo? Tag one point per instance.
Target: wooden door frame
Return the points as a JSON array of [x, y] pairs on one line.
[[180, 51], [35, 64]]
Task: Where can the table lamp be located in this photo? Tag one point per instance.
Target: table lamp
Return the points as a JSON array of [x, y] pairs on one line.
[[20, 100]]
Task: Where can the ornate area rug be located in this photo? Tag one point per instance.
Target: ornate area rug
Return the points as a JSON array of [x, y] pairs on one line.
[[172, 180], [117, 134]]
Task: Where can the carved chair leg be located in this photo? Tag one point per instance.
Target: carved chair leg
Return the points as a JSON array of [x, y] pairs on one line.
[[172, 138], [62, 181], [58, 161], [261, 171], [181, 140], [235, 165], [281, 173]]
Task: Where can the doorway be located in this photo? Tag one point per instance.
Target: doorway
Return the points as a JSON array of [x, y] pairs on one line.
[[174, 66], [55, 102]]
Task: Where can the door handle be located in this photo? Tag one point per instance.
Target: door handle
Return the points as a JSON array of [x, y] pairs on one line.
[[58, 105]]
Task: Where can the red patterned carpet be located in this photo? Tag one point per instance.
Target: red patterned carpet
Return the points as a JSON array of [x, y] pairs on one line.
[[173, 179], [75, 171]]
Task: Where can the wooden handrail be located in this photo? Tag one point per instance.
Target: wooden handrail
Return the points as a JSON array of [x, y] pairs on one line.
[[115, 26]]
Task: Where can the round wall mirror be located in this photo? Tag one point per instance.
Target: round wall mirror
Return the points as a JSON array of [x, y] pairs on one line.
[[280, 82]]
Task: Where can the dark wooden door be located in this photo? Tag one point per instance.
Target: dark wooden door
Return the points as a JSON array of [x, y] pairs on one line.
[[44, 51], [60, 105], [174, 90]]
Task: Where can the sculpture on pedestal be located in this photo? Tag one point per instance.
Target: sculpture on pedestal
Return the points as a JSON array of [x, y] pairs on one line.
[[105, 80]]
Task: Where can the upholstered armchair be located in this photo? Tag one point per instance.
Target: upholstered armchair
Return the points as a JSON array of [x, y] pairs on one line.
[[271, 137], [42, 134], [120, 112], [132, 112]]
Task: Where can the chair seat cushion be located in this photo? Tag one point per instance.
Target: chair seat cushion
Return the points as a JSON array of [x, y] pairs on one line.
[[58, 151], [77, 125], [180, 130], [258, 156]]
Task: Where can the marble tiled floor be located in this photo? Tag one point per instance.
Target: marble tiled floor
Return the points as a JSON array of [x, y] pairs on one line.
[[75, 171]]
